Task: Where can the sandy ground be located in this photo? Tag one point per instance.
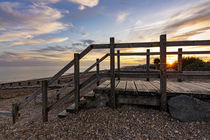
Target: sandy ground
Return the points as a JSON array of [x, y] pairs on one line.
[[126, 122]]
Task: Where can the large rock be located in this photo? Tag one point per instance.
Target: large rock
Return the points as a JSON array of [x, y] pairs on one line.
[[186, 108]]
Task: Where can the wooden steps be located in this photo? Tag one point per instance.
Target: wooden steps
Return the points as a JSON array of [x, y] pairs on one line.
[[90, 95], [71, 108], [141, 92]]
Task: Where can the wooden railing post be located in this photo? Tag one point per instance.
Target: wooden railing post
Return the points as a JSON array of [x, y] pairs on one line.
[[44, 101], [148, 63], [180, 65], [163, 77], [112, 70], [97, 70], [15, 109], [76, 81], [118, 64]]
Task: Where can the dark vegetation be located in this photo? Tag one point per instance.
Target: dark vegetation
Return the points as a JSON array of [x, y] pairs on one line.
[[188, 64]]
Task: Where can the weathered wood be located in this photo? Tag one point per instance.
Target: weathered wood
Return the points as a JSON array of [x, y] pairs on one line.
[[76, 81], [118, 64], [5, 113], [15, 109], [163, 72], [121, 87], [148, 63], [133, 75], [153, 44], [85, 51], [97, 70], [131, 87], [112, 72], [179, 79], [63, 114], [89, 82], [168, 53], [188, 43], [71, 108], [55, 77], [44, 101], [90, 95], [139, 100], [150, 87]]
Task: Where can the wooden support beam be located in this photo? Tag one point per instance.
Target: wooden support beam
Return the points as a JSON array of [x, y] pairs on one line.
[[15, 109], [76, 81], [180, 64], [44, 101], [153, 44], [163, 77], [118, 64], [112, 72], [97, 70], [148, 63]]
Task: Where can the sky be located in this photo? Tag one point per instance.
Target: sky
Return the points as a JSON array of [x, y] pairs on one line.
[[49, 32]]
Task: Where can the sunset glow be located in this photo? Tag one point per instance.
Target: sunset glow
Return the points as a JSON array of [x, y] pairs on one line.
[[38, 33]]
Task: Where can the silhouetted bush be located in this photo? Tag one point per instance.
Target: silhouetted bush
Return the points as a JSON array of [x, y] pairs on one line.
[[192, 64]]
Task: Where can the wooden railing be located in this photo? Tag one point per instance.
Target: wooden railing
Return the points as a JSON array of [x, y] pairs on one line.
[[112, 74]]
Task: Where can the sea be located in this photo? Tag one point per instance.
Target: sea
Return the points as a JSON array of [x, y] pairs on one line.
[[21, 73]]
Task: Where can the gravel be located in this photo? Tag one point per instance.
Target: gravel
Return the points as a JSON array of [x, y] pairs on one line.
[[126, 122]]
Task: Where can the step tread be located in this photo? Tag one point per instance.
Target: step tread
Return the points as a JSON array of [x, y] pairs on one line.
[[63, 114], [71, 108], [90, 95]]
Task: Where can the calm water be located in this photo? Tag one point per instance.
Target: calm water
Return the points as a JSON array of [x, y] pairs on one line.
[[17, 73]]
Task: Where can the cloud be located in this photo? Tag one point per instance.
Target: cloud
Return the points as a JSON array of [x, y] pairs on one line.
[[180, 25], [21, 22], [121, 17], [81, 7], [38, 41], [54, 49], [46, 1], [83, 43], [89, 3], [83, 3]]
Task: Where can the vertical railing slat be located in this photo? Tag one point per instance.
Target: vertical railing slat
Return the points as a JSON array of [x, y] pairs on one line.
[[163, 77], [180, 65], [118, 64], [112, 70], [148, 64], [97, 70], [44, 101], [76, 81]]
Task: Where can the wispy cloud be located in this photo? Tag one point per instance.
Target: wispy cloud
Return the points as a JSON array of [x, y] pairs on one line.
[[121, 17], [181, 25], [38, 41], [22, 22], [83, 3]]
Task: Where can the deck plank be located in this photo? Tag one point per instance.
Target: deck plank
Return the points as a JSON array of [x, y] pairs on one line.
[[205, 86], [130, 86], [121, 86], [150, 87], [140, 86]]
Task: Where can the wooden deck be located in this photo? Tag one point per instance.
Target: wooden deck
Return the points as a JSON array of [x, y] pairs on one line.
[[141, 87]]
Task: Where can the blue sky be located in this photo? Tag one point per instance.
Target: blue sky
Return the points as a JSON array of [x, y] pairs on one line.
[[48, 32]]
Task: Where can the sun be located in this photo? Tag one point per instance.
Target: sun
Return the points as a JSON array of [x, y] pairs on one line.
[[170, 62]]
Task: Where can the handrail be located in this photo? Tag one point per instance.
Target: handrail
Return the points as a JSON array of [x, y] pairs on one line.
[[83, 73], [168, 53], [153, 44], [55, 77], [82, 85], [162, 44]]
